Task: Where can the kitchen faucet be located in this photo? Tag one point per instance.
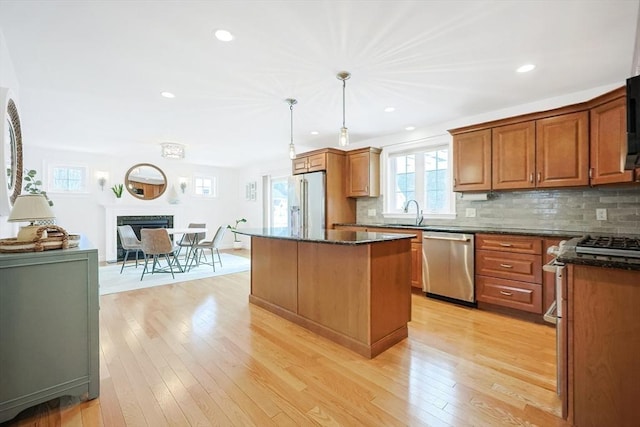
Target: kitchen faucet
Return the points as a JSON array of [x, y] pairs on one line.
[[419, 217]]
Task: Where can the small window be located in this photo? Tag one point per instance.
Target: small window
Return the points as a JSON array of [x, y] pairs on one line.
[[67, 179], [206, 186]]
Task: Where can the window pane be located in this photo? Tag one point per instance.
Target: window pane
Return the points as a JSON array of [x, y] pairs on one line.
[[436, 180]]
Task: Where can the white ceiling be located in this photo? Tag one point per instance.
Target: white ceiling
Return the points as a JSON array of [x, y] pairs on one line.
[[91, 72]]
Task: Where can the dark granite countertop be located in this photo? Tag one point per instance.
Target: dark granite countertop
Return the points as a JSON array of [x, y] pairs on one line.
[[477, 229], [337, 237], [570, 256]]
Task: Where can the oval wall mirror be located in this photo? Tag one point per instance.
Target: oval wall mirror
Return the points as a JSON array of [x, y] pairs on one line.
[[10, 153], [145, 181]]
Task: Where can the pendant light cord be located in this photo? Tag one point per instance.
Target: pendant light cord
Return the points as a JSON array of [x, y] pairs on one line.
[[344, 85], [291, 108]]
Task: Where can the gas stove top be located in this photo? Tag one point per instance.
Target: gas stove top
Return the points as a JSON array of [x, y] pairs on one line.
[[609, 246]]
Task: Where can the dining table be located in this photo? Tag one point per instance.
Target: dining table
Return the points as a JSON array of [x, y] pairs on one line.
[[183, 231]]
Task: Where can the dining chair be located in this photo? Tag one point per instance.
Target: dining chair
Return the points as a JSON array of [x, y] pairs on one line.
[[156, 243], [129, 242], [212, 245], [189, 239]]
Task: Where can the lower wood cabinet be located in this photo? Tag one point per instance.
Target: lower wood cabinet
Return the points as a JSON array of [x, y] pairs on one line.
[[509, 271]]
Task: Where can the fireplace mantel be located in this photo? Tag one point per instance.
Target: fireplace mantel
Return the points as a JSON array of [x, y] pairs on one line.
[[113, 211]]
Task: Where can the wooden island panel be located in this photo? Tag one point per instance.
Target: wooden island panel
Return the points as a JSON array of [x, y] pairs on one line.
[[358, 296], [274, 274]]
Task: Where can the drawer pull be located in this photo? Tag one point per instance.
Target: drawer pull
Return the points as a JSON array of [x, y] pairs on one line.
[[506, 245], [506, 293], [506, 265]]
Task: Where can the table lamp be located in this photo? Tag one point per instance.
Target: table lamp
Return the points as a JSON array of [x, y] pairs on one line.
[[30, 208]]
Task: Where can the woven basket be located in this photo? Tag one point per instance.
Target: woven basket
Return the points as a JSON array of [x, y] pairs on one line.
[[57, 238]]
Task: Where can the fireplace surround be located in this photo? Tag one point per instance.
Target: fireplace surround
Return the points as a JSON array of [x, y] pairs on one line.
[[138, 222]]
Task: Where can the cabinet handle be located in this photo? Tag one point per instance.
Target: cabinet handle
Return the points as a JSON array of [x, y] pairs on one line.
[[590, 173], [506, 265], [539, 176], [366, 188], [506, 293], [505, 245], [455, 182], [531, 178]]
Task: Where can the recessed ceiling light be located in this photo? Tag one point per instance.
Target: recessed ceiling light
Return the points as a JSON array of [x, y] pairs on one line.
[[389, 109], [410, 128], [525, 68], [167, 94], [223, 35], [315, 132]]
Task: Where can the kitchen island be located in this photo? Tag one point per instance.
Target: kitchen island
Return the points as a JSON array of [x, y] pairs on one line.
[[350, 287]]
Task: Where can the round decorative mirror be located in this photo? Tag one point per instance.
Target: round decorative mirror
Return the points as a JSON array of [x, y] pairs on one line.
[[145, 181], [10, 153]]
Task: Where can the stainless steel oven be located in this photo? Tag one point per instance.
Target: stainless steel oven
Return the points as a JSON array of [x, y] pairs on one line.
[[556, 315]]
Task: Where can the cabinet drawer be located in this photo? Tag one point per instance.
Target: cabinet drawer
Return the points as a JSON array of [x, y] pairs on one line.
[[509, 293], [299, 165], [507, 243], [513, 266]]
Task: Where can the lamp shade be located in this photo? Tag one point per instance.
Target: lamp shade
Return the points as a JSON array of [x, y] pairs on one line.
[[30, 207]]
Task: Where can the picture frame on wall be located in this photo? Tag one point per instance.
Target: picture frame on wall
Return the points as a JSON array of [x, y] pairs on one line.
[[250, 191]]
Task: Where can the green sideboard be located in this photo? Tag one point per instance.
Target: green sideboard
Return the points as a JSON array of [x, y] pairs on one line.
[[48, 327]]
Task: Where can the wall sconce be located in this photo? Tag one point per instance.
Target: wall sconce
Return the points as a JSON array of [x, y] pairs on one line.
[[183, 184], [102, 178]]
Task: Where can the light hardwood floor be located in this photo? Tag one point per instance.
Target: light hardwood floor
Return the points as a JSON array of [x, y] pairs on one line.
[[197, 353]]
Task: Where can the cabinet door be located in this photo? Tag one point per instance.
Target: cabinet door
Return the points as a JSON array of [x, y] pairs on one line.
[[562, 150], [608, 143], [317, 162], [472, 161], [299, 165], [513, 149], [363, 174]]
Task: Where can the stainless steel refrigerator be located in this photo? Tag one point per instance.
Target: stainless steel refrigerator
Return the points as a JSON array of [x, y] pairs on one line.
[[307, 202]]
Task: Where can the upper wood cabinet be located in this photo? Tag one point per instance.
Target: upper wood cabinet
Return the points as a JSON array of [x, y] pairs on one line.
[[363, 172], [513, 156], [310, 162], [472, 161], [562, 150], [608, 142]]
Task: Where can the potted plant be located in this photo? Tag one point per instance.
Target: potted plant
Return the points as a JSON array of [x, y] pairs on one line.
[[117, 190], [237, 244], [33, 184]]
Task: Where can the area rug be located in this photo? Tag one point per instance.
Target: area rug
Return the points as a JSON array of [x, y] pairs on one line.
[[111, 281]]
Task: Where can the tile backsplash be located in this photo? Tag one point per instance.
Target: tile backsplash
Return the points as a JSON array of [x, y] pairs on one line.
[[562, 209]]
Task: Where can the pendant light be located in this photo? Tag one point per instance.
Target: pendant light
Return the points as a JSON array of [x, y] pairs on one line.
[[343, 139], [292, 148]]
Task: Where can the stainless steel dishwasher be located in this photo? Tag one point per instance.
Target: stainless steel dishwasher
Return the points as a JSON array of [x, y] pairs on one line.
[[448, 266]]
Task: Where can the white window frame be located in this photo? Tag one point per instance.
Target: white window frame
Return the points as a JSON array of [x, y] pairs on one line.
[[427, 144], [48, 184], [214, 186]]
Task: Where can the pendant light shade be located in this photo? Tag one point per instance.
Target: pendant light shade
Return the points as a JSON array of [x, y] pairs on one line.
[[292, 148], [343, 139]]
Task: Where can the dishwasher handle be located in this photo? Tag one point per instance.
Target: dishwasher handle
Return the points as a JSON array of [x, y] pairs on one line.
[[549, 316], [450, 239]]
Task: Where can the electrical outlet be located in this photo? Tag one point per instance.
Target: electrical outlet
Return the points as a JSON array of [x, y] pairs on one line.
[[371, 212], [601, 214], [470, 213]]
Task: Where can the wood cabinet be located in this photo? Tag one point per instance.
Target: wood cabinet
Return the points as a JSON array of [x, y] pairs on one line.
[[416, 248], [338, 207], [608, 140], [562, 150], [363, 172], [604, 343], [472, 161], [509, 271], [310, 162], [577, 145], [48, 327], [513, 156]]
